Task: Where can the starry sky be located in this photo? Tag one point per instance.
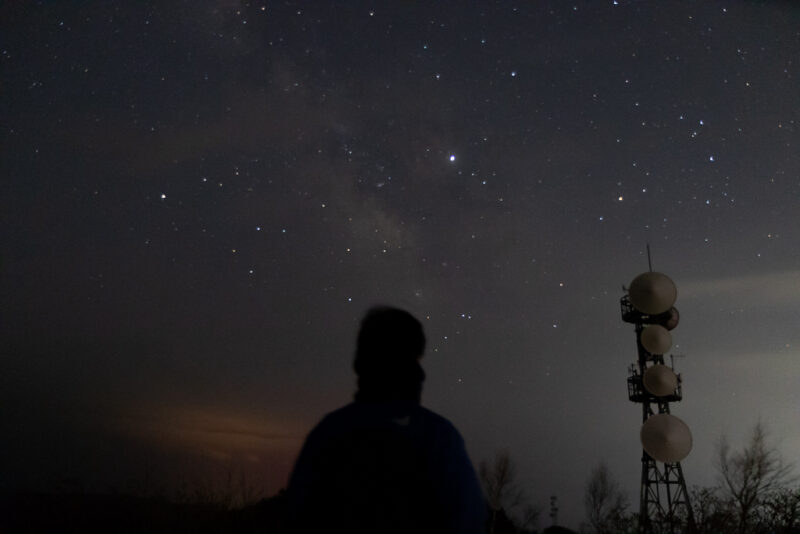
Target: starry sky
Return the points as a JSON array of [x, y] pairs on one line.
[[201, 199]]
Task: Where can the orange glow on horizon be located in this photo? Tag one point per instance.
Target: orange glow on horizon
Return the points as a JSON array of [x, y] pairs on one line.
[[210, 443]]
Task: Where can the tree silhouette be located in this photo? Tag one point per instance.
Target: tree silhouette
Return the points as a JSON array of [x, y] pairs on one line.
[[750, 476], [605, 502], [504, 495]]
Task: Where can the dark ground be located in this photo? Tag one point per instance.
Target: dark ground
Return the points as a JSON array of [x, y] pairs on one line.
[[85, 512], [123, 513]]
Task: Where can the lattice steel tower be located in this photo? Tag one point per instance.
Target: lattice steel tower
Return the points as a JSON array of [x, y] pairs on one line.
[[664, 506]]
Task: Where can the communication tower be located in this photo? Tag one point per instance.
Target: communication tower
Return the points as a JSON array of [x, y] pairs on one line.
[[554, 509], [664, 506]]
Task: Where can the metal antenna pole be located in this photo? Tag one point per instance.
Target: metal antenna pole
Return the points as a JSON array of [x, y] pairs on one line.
[[664, 506], [649, 263]]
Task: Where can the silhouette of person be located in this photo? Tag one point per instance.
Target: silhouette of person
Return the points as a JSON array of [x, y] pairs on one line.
[[383, 464]]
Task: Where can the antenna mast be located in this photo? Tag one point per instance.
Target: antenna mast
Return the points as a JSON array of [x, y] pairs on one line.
[[664, 506]]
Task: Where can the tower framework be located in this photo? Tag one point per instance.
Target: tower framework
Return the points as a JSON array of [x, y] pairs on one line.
[[664, 506]]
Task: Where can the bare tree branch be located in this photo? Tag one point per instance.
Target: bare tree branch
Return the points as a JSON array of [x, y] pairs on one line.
[[502, 491], [750, 475], [604, 501]]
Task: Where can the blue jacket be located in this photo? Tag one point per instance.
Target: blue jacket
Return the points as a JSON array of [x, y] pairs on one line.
[[385, 467]]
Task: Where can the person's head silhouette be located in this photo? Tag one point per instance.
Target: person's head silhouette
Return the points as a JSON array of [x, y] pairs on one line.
[[390, 344]]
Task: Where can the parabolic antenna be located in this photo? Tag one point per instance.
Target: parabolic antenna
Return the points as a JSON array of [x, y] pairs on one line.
[[660, 380], [656, 339], [666, 438], [652, 293], [670, 318]]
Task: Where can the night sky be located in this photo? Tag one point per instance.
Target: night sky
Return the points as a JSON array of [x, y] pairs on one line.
[[200, 200]]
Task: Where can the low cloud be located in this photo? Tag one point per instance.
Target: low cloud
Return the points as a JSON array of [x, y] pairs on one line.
[[781, 288]]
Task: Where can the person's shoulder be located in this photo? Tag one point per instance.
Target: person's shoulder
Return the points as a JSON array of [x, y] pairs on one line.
[[345, 411], [433, 416], [436, 421], [338, 417], [357, 415]]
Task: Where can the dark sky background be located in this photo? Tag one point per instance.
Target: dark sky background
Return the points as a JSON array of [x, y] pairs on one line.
[[200, 199]]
